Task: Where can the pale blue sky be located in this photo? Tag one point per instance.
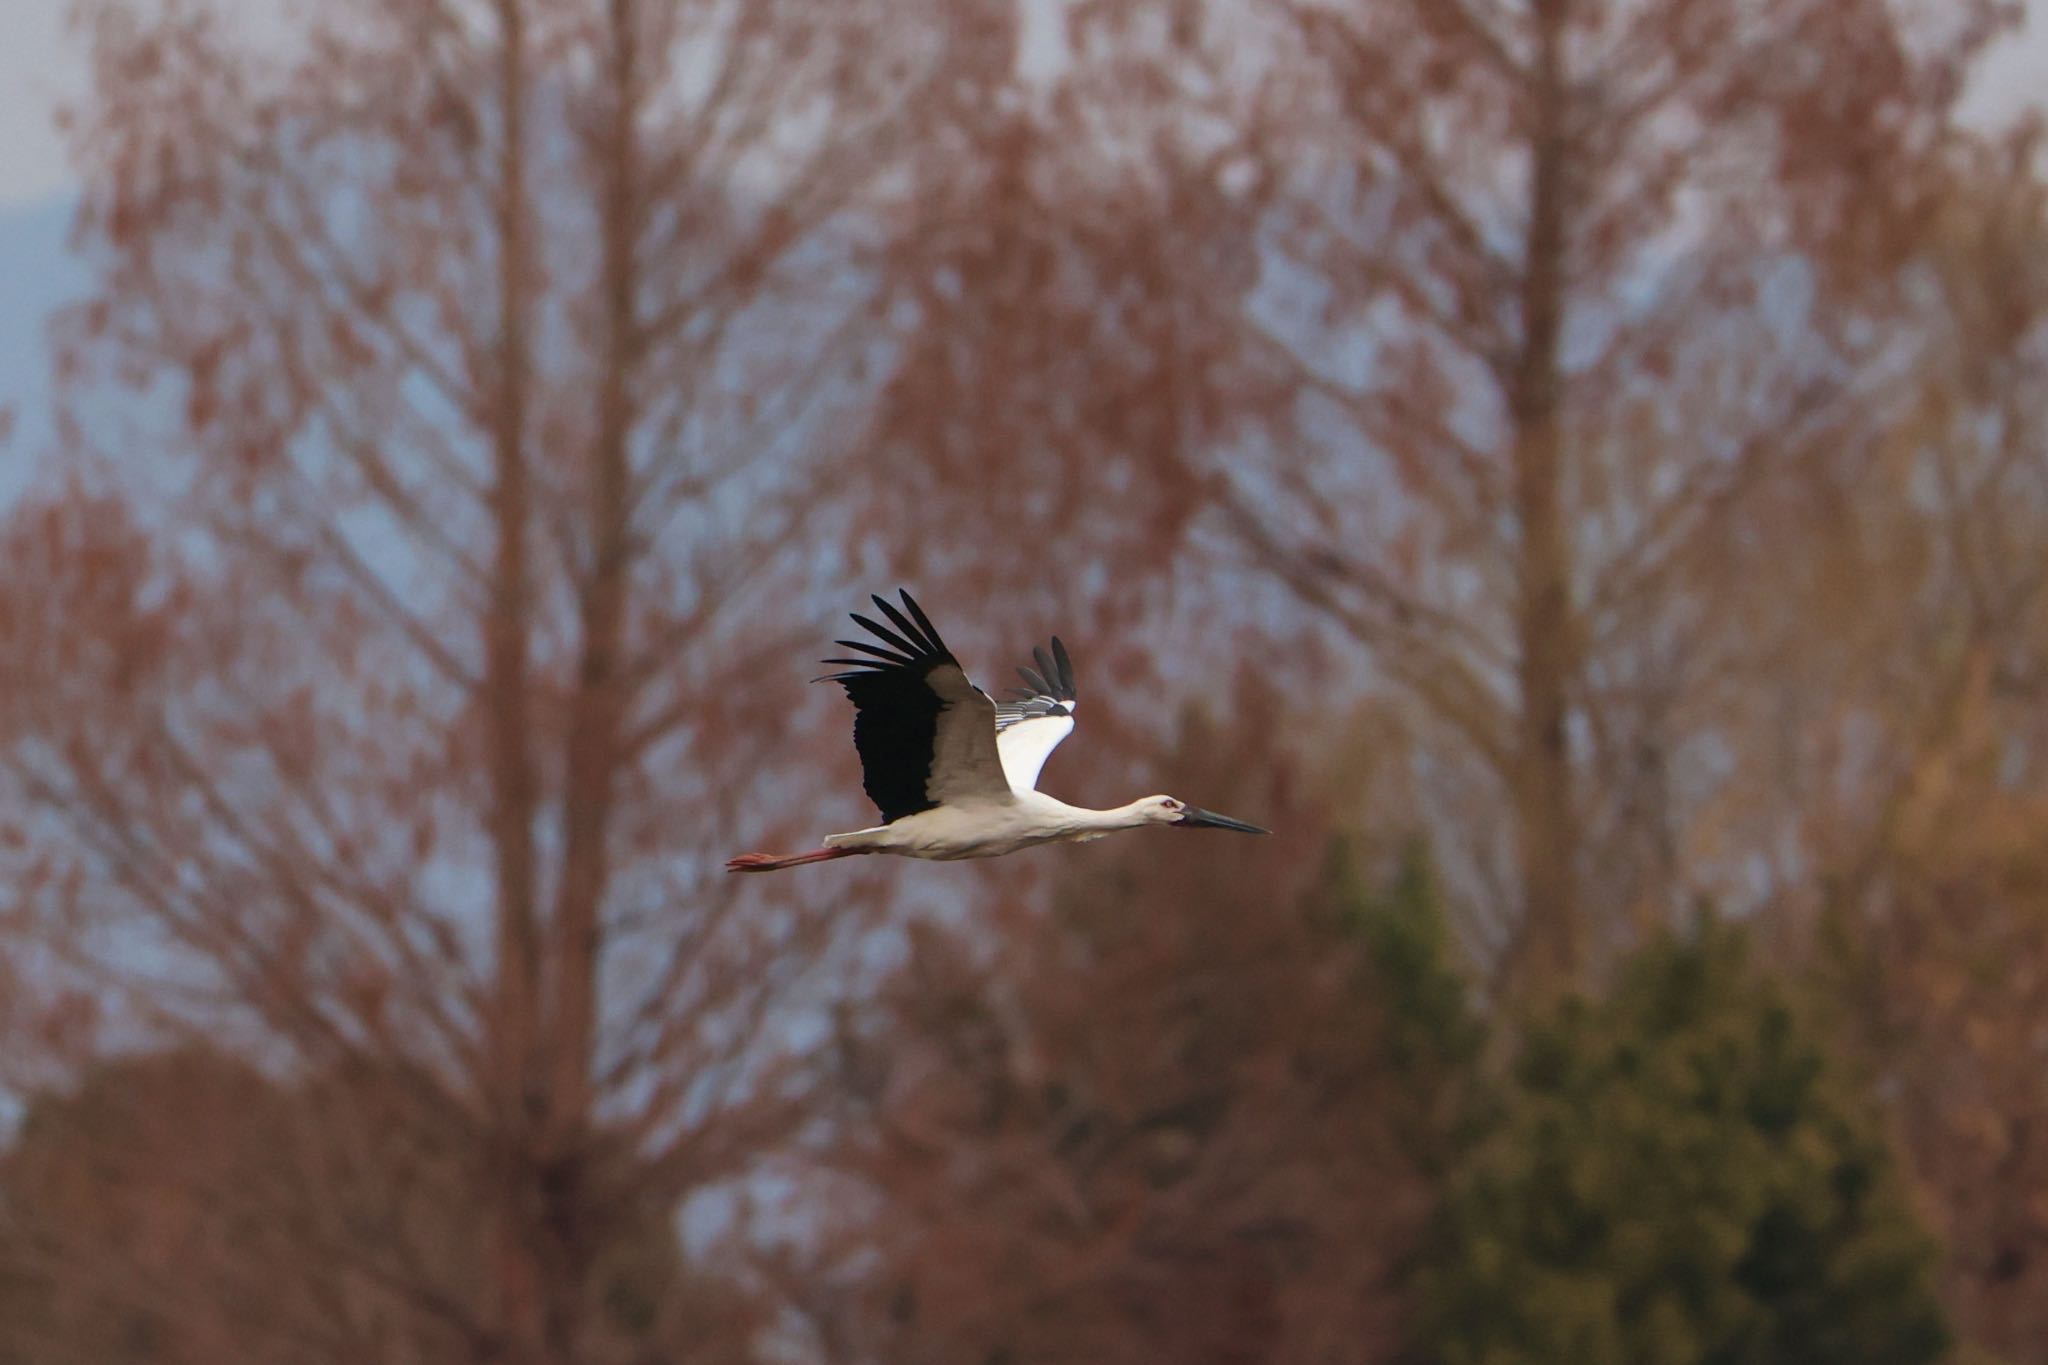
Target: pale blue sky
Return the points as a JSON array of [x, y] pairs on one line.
[[40, 66]]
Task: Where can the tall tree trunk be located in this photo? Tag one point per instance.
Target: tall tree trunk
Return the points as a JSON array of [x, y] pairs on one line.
[[592, 759], [518, 1094], [1546, 815]]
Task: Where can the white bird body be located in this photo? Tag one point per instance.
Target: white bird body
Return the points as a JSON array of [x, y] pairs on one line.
[[989, 828], [955, 774]]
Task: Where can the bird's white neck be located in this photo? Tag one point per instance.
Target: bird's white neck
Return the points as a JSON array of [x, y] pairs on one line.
[[1129, 816], [1090, 824]]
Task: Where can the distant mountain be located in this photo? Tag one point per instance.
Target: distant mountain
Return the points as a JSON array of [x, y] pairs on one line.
[[38, 275]]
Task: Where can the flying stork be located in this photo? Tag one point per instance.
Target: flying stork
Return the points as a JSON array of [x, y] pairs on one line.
[[954, 772]]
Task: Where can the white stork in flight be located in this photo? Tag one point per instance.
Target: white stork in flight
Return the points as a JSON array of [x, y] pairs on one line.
[[955, 773]]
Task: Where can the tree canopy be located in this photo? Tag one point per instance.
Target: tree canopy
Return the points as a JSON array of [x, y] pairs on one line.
[[1681, 1174]]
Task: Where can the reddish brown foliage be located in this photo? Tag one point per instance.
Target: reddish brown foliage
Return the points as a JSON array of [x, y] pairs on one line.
[[403, 726], [1464, 326], [182, 1207]]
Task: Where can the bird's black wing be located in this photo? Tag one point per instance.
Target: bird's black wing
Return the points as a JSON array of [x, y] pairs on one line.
[[925, 734]]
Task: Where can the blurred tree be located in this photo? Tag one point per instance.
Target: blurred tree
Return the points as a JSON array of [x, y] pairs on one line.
[[1680, 1174], [1947, 992], [72, 1181], [1193, 1114], [469, 377], [1888, 738], [1061, 362], [1470, 326], [1880, 607], [162, 1211]]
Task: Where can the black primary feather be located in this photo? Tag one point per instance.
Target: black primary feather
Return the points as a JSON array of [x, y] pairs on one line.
[[1048, 689], [896, 712], [1052, 679]]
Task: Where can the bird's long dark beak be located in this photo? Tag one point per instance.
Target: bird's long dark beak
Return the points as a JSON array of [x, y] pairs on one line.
[[1193, 817]]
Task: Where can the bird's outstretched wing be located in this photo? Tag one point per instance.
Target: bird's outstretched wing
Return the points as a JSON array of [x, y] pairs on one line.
[[1037, 717], [925, 734]]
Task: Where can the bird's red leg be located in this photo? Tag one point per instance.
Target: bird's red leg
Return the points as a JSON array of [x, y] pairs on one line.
[[769, 862]]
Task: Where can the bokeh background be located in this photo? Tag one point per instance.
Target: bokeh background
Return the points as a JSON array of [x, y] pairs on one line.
[[1577, 469]]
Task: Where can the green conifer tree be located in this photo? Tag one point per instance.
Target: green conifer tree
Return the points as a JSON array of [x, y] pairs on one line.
[[1679, 1176]]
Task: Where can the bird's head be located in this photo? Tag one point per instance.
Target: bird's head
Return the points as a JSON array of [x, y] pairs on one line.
[[1165, 810]]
